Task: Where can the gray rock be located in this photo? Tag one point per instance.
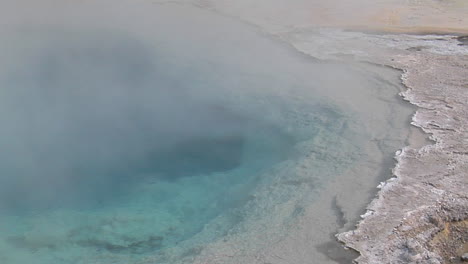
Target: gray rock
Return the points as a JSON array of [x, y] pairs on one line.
[[464, 257]]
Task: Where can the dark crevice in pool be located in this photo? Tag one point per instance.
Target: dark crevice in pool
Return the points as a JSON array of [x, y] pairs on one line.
[[185, 158], [151, 244], [98, 184], [197, 156]]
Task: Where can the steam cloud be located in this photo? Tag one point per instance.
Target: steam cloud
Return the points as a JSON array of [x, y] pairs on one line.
[[85, 109]]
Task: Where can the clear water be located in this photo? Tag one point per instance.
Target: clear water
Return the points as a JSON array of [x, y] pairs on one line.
[[145, 140]]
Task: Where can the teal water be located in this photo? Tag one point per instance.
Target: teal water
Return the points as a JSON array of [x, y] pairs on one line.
[[143, 141]]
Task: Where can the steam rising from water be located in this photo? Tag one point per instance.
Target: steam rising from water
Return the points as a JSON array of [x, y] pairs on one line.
[[87, 106], [139, 132]]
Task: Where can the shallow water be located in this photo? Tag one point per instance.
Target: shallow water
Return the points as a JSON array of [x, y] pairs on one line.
[[143, 140]]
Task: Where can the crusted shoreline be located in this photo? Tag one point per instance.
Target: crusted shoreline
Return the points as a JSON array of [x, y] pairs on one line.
[[420, 215]]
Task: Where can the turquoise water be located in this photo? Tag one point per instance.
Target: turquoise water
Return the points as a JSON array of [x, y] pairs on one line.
[[143, 141]]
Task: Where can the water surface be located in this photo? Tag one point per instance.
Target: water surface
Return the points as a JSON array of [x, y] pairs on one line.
[[144, 139]]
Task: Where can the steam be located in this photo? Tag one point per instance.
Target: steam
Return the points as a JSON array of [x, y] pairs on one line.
[[90, 105], [83, 106], [92, 90]]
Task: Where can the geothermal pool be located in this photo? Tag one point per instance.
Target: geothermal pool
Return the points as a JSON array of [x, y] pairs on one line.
[[148, 133]]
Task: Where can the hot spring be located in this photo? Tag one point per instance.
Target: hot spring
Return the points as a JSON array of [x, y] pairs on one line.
[[145, 134]]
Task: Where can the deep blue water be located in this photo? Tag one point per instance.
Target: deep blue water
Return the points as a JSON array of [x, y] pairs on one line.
[[96, 118], [116, 148], [107, 151]]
